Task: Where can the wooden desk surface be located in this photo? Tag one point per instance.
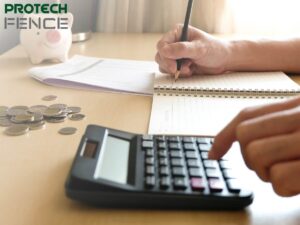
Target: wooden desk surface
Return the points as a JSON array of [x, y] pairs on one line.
[[33, 168]]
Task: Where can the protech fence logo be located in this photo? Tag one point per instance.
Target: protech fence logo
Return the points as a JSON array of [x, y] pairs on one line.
[[14, 19]]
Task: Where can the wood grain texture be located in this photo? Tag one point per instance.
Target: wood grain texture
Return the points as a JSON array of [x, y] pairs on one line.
[[33, 168]]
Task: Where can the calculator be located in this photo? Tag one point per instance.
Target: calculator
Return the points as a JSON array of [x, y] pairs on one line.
[[115, 169]]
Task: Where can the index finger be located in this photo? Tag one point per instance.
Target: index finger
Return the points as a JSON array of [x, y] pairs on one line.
[[227, 136]]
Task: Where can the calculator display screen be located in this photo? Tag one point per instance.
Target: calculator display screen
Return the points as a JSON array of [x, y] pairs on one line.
[[113, 161]]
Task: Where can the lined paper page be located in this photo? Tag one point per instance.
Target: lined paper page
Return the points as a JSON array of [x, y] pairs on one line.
[[199, 116], [241, 81]]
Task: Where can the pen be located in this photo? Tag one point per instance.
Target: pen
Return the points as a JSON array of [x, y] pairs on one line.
[[184, 35]]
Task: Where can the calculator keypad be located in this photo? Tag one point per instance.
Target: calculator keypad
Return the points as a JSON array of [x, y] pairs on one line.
[[182, 164]]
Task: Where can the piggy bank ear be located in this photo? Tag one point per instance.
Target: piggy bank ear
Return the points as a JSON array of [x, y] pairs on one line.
[[70, 19]]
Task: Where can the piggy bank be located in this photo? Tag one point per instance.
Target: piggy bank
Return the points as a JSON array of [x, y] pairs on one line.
[[47, 40]]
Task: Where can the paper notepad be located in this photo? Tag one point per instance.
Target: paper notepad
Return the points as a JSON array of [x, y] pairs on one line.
[[203, 105], [114, 75]]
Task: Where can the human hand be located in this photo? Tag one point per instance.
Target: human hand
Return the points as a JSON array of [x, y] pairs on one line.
[[203, 53], [269, 137]]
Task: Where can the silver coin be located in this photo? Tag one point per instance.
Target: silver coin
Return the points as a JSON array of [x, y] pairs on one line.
[[23, 118], [37, 126], [58, 106], [49, 112], [55, 120], [5, 122], [17, 110], [49, 98], [37, 117], [37, 108], [77, 117], [67, 131], [16, 130], [3, 114], [74, 109], [3, 108]]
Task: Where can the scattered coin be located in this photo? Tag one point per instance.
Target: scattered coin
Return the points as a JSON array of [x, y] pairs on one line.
[[4, 122], [74, 109], [37, 126], [55, 120], [49, 98], [49, 112], [67, 131], [37, 108], [22, 118], [58, 106], [17, 110], [17, 130], [76, 117], [37, 117]]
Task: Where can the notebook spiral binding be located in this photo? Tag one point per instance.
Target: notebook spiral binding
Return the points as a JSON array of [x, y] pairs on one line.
[[225, 93]]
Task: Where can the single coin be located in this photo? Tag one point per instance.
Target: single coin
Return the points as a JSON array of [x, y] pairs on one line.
[[16, 130], [74, 109], [58, 106], [67, 131], [37, 108], [55, 120], [76, 117], [17, 110], [49, 98], [22, 118], [52, 112], [37, 126], [5, 122]]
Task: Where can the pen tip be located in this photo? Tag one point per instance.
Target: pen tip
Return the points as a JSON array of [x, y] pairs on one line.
[[177, 75]]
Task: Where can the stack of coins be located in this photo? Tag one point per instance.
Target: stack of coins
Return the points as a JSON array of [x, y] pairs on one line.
[[19, 120]]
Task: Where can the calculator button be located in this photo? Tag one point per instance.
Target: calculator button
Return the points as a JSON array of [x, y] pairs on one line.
[[189, 146], [196, 172], [216, 185], [174, 146], [176, 154], [204, 147], [198, 184], [177, 162], [233, 185], [150, 170], [204, 155], [212, 173], [147, 144], [178, 171], [162, 153], [210, 164], [225, 164], [229, 173], [150, 160], [164, 171], [162, 145], [161, 138], [203, 141], [147, 137], [150, 181], [191, 155], [188, 140], [173, 139], [180, 183], [150, 152], [165, 182], [163, 162], [193, 163]]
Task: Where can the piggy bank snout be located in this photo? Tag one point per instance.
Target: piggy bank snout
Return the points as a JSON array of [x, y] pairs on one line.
[[53, 36]]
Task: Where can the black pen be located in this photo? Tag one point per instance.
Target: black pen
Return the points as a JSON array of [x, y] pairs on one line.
[[184, 35]]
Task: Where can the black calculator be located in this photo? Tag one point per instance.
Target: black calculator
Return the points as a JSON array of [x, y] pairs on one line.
[[116, 169]]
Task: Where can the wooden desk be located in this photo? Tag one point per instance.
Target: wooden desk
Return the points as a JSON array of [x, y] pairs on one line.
[[33, 168]]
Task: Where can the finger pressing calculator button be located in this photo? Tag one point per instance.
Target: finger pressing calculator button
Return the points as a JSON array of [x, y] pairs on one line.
[[162, 153], [180, 183], [204, 147], [150, 152], [193, 163], [150, 181], [150, 170], [210, 164], [196, 172], [163, 162], [233, 185], [189, 146], [147, 144], [216, 185], [198, 184], [188, 140], [191, 155], [164, 171], [150, 160], [165, 182], [176, 154], [162, 145], [178, 171], [147, 137], [212, 173], [177, 162], [174, 146]]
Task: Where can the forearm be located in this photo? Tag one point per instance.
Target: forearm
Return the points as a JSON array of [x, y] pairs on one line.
[[264, 55]]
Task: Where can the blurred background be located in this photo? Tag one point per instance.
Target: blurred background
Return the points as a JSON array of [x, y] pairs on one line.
[[245, 17]]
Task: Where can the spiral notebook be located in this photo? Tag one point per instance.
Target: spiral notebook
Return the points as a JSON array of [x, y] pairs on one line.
[[203, 105]]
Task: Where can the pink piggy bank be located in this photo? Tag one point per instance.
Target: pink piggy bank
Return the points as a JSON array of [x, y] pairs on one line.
[[49, 36]]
